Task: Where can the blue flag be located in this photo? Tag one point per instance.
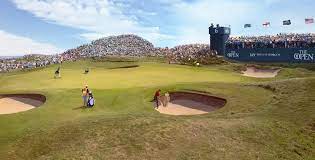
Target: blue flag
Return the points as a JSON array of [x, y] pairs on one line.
[[247, 25], [287, 22]]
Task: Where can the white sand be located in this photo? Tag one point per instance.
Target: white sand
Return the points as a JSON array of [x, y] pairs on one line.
[[15, 105], [260, 73], [185, 107]]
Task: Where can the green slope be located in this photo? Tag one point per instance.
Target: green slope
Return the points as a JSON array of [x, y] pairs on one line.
[[263, 119]]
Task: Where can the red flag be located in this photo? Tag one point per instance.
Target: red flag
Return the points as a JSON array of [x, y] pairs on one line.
[[309, 20]]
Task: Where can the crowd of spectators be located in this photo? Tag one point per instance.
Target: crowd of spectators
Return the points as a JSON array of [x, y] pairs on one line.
[[192, 51], [132, 45], [193, 54], [273, 41], [123, 45], [28, 62]]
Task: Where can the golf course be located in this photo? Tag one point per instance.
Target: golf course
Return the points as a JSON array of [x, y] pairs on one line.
[[262, 119]]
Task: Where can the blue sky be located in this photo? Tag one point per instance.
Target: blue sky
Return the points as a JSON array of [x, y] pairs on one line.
[[52, 26]]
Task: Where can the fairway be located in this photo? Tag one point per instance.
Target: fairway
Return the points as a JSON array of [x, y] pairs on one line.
[[272, 118]]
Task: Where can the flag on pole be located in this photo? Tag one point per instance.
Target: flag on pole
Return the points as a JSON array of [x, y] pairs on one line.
[[266, 24], [247, 25], [287, 22], [309, 20]]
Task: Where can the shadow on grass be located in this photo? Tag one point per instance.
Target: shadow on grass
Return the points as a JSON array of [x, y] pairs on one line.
[[81, 107], [122, 67]]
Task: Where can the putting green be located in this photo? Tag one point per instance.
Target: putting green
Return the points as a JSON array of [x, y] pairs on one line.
[[262, 118]]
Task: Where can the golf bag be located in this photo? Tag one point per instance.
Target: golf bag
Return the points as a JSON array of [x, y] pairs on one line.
[[90, 102]]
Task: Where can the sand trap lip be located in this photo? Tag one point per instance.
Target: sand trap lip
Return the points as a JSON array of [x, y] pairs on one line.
[[14, 103], [188, 103], [260, 73]]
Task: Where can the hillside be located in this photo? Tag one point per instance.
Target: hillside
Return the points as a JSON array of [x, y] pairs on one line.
[[133, 45], [128, 45]]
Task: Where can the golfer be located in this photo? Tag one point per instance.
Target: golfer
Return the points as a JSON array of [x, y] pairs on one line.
[[87, 70], [85, 92], [57, 73], [157, 97]]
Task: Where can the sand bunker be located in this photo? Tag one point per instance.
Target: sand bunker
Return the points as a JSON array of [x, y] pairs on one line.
[[260, 73], [14, 103], [186, 103]]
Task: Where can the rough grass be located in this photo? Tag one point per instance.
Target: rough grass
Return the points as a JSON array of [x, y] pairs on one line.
[[256, 123]]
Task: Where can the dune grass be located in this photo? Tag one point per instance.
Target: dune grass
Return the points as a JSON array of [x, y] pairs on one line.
[[256, 123]]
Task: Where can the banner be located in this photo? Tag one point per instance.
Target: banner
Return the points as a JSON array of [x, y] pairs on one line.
[[289, 55]]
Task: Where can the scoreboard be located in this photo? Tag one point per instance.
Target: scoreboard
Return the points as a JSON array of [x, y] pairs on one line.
[[218, 37]]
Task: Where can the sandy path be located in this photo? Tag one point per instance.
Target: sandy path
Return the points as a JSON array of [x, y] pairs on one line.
[[260, 73], [14, 105], [185, 107]]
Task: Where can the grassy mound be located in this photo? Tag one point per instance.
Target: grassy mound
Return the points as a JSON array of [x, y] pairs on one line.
[[263, 119]]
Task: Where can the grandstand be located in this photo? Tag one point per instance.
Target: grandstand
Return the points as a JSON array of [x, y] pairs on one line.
[[281, 40], [289, 48]]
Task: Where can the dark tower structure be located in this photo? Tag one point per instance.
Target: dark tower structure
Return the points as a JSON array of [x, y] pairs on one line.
[[218, 37]]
